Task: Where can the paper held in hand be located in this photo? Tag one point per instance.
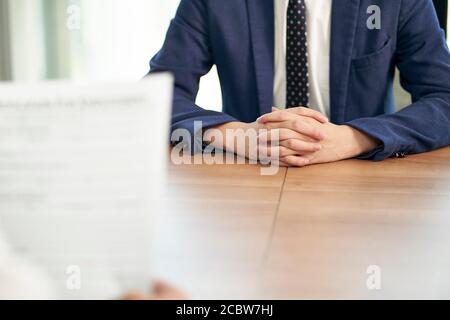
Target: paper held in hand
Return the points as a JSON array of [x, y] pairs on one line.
[[82, 169]]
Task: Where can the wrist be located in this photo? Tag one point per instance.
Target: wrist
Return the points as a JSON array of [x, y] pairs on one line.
[[232, 126], [359, 142], [221, 131]]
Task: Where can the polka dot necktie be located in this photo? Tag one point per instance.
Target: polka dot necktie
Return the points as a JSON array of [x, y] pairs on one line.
[[297, 93]]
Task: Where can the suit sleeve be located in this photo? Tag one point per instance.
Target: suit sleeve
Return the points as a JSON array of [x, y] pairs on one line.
[[423, 59], [186, 53]]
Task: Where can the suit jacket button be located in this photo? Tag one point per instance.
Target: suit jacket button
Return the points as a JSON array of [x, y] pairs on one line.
[[400, 155]]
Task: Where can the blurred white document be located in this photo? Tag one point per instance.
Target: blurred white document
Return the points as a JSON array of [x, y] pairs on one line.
[[82, 171]]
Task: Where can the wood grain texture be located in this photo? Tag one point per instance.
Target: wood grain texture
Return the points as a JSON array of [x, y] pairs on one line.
[[214, 235], [336, 220], [309, 232]]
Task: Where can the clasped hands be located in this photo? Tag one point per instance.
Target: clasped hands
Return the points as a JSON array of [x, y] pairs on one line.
[[306, 137], [298, 137]]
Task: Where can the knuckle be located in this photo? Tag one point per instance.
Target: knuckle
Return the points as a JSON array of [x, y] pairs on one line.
[[301, 162], [282, 152], [291, 144], [316, 133], [301, 111], [310, 120], [308, 147], [296, 162], [283, 135], [288, 160], [298, 125]]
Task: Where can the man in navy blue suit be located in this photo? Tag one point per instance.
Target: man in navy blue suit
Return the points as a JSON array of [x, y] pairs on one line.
[[290, 65]]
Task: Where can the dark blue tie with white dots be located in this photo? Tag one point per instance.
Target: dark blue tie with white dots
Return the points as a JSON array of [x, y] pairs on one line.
[[297, 93]]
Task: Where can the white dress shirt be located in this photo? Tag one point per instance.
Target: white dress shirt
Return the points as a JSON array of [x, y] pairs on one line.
[[318, 17]]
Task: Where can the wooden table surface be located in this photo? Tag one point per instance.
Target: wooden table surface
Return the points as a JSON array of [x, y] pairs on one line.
[[309, 233]]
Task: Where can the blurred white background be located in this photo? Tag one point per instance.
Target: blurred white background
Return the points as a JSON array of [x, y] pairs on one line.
[[83, 40], [104, 40]]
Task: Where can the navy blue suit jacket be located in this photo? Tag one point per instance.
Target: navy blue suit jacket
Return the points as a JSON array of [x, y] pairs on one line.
[[238, 37]]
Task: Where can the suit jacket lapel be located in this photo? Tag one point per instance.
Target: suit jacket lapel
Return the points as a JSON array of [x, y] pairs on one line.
[[261, 18], [343, 30]]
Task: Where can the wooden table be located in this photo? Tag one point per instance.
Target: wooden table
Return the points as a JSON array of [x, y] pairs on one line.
[[315, 232]]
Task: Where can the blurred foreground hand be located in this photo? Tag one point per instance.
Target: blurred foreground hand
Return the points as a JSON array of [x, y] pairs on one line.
[[161, 291]]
